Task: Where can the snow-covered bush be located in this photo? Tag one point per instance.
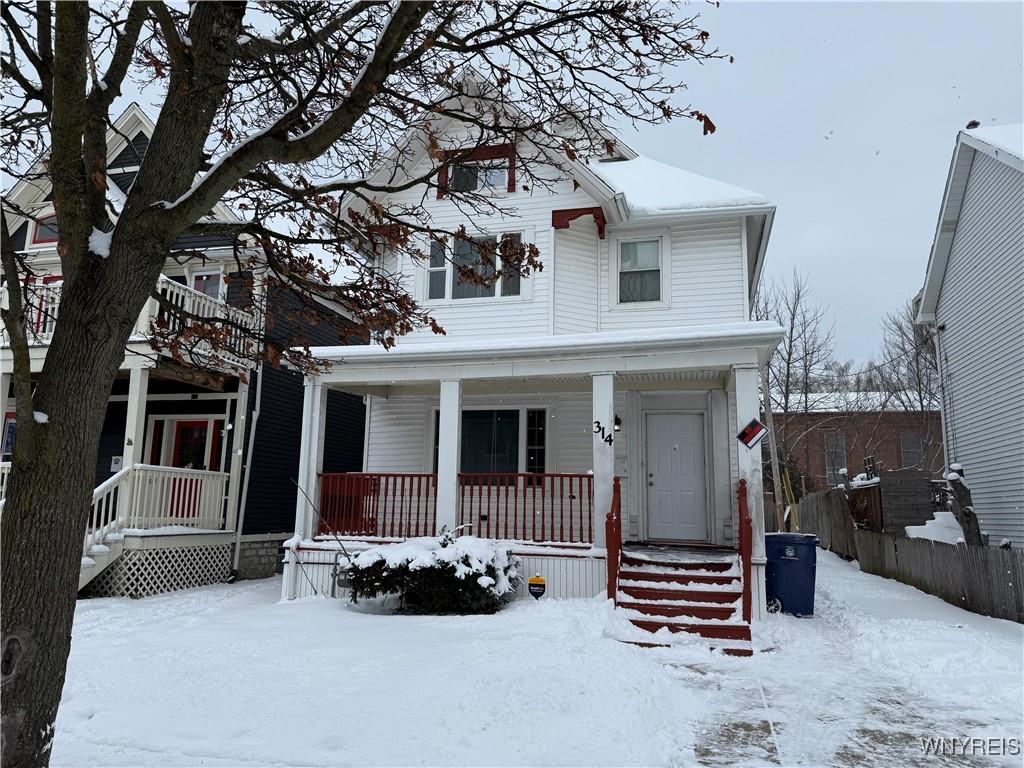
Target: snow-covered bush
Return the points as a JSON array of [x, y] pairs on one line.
[[442, 574]]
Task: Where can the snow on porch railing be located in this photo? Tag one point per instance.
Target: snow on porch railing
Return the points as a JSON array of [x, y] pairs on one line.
[[527, 506], [107, 515], [390, 504], [162, 496]]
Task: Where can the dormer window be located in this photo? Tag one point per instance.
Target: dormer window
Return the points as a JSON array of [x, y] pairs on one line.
[[46, 231], [481, 255]]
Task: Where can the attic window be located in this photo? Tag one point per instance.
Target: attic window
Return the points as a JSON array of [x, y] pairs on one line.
[[485, 168], [46, 231]]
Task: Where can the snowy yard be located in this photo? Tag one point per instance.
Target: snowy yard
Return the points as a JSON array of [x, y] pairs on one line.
[[226, 675]]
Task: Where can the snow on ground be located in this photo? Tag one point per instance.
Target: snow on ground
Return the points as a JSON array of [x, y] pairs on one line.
[[227, 675]]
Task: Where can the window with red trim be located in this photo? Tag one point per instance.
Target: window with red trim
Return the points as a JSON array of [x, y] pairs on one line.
[[46, 231], [490, 168]]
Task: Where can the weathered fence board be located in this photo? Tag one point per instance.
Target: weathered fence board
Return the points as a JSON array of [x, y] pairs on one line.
[[982, 580], [827, 514]]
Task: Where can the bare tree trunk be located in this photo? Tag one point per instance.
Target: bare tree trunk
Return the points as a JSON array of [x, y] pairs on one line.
[[44, 518]]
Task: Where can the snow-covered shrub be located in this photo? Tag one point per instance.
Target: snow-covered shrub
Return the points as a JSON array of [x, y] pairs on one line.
[[442, 574]]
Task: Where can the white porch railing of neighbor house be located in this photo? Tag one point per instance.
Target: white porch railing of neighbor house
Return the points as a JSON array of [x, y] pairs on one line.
[[162, 496], [151, 497], [5, 470], [515, 506], [45, 300]]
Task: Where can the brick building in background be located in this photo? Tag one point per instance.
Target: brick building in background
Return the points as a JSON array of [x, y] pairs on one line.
[[842, 431]]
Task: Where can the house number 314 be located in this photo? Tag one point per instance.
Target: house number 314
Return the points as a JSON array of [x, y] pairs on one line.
[[600, 430]]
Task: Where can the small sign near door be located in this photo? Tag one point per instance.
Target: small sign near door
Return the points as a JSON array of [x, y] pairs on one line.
[[752, 434]]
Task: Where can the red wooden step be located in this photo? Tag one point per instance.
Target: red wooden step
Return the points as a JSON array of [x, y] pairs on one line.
[[679, 595], [696, 565], [716, 631], [681, 577], [726, 651], [681, 609]]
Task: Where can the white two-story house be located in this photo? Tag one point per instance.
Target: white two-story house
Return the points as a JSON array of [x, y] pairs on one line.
[[617, 376], [198, 452]]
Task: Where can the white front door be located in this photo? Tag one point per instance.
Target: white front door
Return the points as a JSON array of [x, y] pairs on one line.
[[676, 498]]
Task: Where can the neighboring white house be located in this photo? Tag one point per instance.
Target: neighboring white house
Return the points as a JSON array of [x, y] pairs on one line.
[[631, 354], [973, 297]]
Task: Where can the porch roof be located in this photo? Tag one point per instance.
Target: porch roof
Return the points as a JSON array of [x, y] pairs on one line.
[[691, 348]]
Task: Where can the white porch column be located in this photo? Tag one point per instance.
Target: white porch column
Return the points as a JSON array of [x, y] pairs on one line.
[[748, 406], [603, 450], [449, 451], [237, 435], [135, 423], [311, 460]]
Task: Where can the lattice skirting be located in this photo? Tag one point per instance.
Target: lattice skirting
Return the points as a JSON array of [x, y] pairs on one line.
[[147, 572]]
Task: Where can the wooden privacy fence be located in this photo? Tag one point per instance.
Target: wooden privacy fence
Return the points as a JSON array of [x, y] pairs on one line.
[[982, 580], [827, 515]]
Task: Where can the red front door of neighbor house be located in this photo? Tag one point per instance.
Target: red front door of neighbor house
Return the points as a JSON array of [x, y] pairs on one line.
[[189, 453]]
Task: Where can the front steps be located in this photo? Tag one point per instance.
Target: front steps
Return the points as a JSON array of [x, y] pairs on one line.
[[681, 590], [98, 557]]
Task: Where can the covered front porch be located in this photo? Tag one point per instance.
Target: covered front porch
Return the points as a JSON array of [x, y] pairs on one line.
[[524, 441], [168, 474]]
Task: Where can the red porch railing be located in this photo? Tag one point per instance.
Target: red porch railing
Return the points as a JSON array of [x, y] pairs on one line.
[[613, 540], [528, 506], [746, 547], [391, 505], [517, 506]]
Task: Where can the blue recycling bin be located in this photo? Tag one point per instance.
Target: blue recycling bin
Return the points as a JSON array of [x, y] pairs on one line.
[[789, 573]]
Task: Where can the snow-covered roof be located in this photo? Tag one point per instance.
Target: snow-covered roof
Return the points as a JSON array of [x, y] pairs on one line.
[[1007, 138], [654, 187], [852, 401]]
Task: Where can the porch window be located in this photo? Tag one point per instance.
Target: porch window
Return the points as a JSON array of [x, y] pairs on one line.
[[491, 441], [639, 271], [481, 256], [835, 456], [911, 449]]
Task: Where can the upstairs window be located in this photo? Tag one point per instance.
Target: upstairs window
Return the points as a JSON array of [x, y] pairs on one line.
[[489, 177], [639, 271], [209, 282], [911, 449], [485, 169], [46, 231], [835, 456], [481, 256]]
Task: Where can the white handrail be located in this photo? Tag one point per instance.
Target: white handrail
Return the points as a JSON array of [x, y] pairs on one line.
[[5, 471], [106, 515], [172, 496]]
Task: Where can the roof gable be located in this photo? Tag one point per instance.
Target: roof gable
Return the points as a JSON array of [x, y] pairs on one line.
[[1003, 143]]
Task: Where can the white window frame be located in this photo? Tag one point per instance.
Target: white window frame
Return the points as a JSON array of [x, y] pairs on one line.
[[526, 235], [192, 274], [664, 261]]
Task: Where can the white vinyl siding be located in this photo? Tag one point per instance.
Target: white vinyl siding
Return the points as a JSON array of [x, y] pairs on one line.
[[575, 275], [705, 278], [981, 305]]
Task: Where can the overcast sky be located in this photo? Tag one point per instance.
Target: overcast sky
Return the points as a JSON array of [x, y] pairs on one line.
[[845, 115]]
